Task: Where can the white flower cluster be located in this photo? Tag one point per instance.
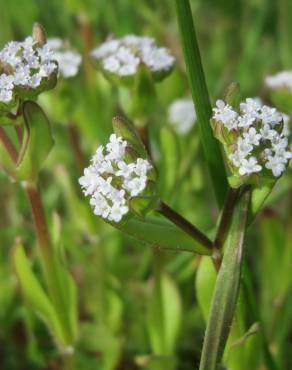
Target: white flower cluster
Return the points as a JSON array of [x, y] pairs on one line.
[[261, 138], [182, 115], [280, 80], [69, 61], [25, 65], [123, 56], [111, 182]]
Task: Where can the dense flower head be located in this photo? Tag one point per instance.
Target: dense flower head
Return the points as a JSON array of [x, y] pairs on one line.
[[256, 140], [112, 180], [68, 60], [123, 56], [182, 115], [25, 66], [280, 80]]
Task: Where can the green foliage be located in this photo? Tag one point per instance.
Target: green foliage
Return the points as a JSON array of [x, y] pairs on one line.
[[226, 289], [100, 292], [34, 150], [164, 315], [35, 295]]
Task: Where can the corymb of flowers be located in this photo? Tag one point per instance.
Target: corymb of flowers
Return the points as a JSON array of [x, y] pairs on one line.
[[122, 57], [182, 115], [115, 176], [26, 68], [281, 80], [68, 60], [254, 138]]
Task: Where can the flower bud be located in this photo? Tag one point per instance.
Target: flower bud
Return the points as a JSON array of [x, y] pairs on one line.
[[39, 35], [255, 140], [118, 180]]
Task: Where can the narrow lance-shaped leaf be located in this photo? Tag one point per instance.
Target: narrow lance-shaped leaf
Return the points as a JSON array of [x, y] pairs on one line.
[[226, 289], [37, 142], [162, 235], [200, 96], [34, 294]]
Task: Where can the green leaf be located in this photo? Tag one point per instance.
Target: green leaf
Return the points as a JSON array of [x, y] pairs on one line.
[[37, 142], [201, 99], [258, 197], [156, 362], [34, 294], [164, 315], [161, 234], [226, 289], [205, 282]]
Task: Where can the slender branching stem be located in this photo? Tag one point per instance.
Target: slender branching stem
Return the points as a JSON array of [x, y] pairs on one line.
[[75, 144], [226, 217], [184, 224], [38, 214], [10, 148], [44, 242]]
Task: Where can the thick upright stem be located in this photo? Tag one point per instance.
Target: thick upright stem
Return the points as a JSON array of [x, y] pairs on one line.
[[185, 225], [226, 289], [201, 99]]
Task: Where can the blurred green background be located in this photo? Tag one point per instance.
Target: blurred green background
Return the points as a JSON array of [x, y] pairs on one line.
[[240, 41]]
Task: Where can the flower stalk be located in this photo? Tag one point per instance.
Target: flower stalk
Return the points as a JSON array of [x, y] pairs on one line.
[[184, 224]]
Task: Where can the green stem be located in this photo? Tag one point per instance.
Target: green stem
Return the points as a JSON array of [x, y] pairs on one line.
[[201, 99], [49, 260], [157, 271], [161, 234], [184, 224], [226, 217], [226, 288], [10, 148]]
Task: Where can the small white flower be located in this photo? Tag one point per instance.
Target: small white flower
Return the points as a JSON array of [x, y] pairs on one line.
[[249, 166], [280, 80], [259, 137], [111, 182], [27, 64], [136, 185], [123, 56], [68, 61], [252, 137], [225, 114], [268, 133], [244, 146], [275, 165], [125, 170], [181, 115], [117, 212]]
